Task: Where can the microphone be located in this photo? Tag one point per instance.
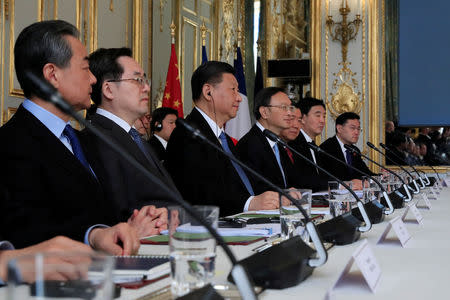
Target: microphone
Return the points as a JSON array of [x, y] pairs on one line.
[[340, 230], [383, 190], [406, 187], [415, 170], [416, 191], [375, 212], [396, 199], [293, 255], [46, 91]]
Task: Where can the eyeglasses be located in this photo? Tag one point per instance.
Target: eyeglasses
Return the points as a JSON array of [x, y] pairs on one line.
[[352, 128], [142, 81], [287, 108]]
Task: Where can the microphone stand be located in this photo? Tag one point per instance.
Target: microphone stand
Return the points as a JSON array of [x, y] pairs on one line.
[[415, 170], [264, 269], [416, 191], [385, 195], [372, 210], [368, 223], [406, 187], [318, 149], [47, 92]]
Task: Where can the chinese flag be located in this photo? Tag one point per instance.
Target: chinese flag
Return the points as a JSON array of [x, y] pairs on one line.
[[172, 91]]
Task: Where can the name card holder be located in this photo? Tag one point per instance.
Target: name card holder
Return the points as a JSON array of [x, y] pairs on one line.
[[400, 230], [369, 270], [446, 182], [436, 188], [411, 207], [426, 200], [430, 193]]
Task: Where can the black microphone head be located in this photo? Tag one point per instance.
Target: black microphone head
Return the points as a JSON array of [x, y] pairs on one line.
[[383, 146], [271, 135], [348, 147], [371, 145], [194, 131], [314, 146]]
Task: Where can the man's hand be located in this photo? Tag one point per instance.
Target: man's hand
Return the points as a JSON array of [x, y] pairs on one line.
[[265, 201], [120, 239], [59, 244], [357, 184], [149, 220]]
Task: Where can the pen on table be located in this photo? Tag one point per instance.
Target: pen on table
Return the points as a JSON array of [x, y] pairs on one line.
[[270, 241]]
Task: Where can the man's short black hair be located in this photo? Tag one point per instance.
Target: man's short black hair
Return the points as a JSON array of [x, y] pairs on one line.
[[160, 114], [344, 117], [104, 64], [263, 99], [306, 104], [41, 43], [209, 72]]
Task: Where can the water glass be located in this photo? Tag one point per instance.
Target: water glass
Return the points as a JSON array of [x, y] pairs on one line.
[[340, 199], [291, 219], [192, 248], [371, 190]]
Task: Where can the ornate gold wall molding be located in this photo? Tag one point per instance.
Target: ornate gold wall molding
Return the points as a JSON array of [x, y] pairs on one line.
[[228, 27], [316, 48], [137, 31]]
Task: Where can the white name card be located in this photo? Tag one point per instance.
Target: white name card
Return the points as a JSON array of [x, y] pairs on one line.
[[411, 207], [400, 230], [426, 200], [446, 182], [368, 265], [431, 194]]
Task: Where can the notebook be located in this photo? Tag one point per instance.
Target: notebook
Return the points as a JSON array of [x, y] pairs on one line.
[[135, 268], [151, 266]]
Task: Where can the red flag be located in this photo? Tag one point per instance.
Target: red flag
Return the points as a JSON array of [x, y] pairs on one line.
[[172, 91]]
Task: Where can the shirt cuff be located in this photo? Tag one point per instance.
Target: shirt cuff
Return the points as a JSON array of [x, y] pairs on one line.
[[88, 232], [5, 245], [247, 203]]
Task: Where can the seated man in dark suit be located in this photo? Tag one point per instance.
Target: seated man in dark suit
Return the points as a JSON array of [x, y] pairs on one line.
[[121, 95], [348, 129], [50, 189], [273, 111], [202, 174], [398, 147], [161, 126], [312, 121]]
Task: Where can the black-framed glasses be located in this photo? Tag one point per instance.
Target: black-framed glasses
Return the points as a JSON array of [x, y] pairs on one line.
[[287, 108], [142, 81]]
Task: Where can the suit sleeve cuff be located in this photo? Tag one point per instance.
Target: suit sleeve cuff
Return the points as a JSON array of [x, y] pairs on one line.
[[247, 203], [5, 245], [88, 232]]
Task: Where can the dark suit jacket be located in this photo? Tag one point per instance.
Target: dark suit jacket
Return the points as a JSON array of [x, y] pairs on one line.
[[203, 175], [308, 176], [158, 148], [254, 149], [338, 169], [126, 188], [49, 191]]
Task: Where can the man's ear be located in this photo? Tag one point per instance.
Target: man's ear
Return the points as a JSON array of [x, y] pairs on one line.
[[51, 74], [263, 112], [107, 90], [338, 128], [206, 91]]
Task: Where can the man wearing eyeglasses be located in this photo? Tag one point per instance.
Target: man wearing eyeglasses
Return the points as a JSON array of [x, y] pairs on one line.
[[121, 95], [273, 111], [348, 129]]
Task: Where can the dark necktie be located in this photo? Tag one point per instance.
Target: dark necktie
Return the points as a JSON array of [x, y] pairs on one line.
[[137, 138], [237, 167], [349, 158], [76, 147], [316, 157]]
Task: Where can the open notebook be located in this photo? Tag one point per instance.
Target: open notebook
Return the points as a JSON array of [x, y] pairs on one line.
[[132, 268]]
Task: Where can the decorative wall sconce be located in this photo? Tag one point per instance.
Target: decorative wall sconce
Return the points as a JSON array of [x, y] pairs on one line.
[[345, 85], [343, 31]]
